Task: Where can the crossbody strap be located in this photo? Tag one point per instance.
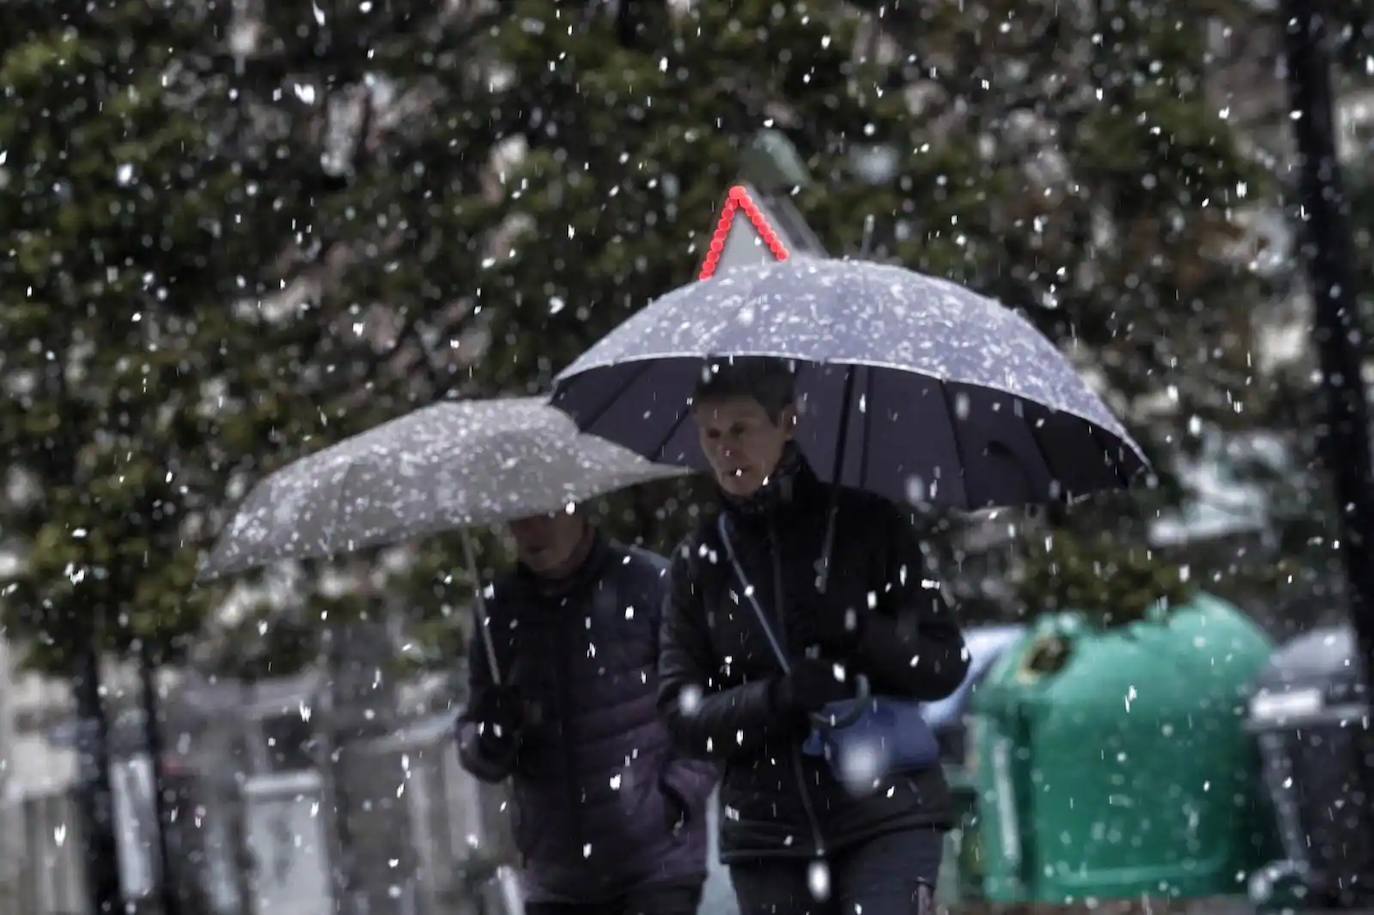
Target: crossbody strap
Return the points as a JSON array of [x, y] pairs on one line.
[[723, 526], [605, 599]]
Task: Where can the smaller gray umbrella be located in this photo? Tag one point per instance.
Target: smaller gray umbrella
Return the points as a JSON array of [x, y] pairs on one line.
[[442, 467]]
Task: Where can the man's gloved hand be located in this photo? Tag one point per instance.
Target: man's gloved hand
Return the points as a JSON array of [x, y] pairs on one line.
[[836, 632], [925, 900], [811, 684], [500, 715]]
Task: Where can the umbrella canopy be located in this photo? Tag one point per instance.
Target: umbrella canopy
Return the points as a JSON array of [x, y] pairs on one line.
[[909, 386], [445, 466]]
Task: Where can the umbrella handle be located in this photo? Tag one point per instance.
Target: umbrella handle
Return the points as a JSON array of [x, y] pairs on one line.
[[479, 609], [856, 708]]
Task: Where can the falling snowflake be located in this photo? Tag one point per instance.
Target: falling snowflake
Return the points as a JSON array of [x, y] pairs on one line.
[[818, 880]]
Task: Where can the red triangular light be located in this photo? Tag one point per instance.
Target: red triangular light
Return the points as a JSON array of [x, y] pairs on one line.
[[739, 199]]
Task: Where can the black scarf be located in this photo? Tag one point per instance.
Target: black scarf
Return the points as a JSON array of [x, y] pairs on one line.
[[579, 579], [778, 490]]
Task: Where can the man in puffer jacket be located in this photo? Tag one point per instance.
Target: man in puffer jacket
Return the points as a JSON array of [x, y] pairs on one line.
[[608, 818], [796, 839]]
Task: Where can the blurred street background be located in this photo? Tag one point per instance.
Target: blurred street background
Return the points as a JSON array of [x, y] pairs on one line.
[[236, 231]]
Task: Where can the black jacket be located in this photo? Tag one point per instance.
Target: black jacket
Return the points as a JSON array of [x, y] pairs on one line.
[[593, 763], [714, 648]]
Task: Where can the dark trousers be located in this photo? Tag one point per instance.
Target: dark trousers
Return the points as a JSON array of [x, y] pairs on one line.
[[892, 874], [654, 900]]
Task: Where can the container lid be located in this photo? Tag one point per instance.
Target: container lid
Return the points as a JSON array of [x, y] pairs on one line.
[[985, 645], [1316, 658]]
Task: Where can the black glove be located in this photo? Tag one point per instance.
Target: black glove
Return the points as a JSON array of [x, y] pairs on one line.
[[810, 685], [499, 714], [836, 632], [925, 900]]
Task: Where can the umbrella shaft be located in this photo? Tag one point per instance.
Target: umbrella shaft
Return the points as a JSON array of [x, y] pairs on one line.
[[479, 608]]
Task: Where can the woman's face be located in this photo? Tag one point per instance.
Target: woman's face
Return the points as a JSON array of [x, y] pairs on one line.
[[742, 444]]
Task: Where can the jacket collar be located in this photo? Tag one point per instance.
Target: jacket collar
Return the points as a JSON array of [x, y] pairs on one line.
[[582, 579], [791, 490]]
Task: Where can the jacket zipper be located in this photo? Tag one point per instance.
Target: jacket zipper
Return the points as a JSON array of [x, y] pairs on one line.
[[797, 767], [561, 692]]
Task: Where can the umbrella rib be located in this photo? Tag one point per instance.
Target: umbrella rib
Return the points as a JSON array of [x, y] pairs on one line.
[[958, 445], [1044, 455], [1107, 453], [863, 447], [642, 367], [867, 397], [657, 454], [842, 445]]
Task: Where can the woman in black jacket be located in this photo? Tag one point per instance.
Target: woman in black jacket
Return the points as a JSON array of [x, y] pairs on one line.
[[795, 838]]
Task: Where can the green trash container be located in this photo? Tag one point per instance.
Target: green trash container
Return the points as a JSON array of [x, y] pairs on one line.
[[1115, 763], [961, 877]]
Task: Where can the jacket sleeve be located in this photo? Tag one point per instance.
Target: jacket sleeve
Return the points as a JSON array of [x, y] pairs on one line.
[[911, 645], [691, 780], [707, 719], [484, 766]]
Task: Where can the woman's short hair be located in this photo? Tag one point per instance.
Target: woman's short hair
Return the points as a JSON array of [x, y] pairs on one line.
[[766, 379]]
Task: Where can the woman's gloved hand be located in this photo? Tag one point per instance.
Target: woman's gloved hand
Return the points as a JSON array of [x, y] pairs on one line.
[[500, 715], [812, 683]]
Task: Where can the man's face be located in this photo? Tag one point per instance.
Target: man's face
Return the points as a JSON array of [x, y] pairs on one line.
[[546, 543], [742, 444]]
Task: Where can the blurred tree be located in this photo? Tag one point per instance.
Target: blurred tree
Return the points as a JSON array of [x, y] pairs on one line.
[[113, 330], [324, 213], [238, 231], [1115, 209], [1070, 574]]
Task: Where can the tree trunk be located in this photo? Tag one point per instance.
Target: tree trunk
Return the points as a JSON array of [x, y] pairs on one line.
[[1345, 444], [147, 674], [94, 798]]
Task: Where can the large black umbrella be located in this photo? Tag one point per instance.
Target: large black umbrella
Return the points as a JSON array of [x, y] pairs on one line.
[[912, 387]]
